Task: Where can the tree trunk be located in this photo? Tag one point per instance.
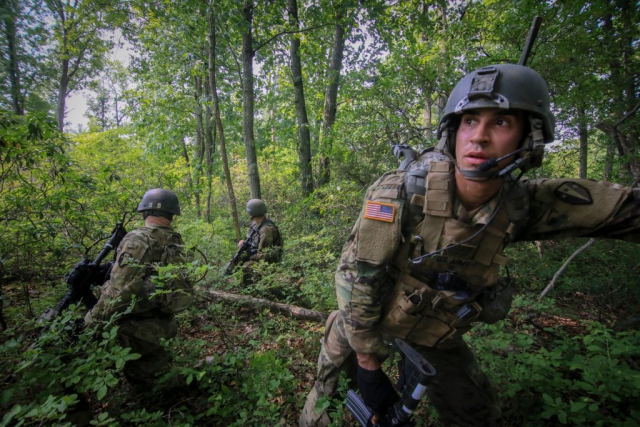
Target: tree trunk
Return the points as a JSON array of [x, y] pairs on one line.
[[259, 304], [185, 155], [8, 11], [218, 120], [622, 80], [331, 101], [304, 136], [583, 136], [200, 146], [248, 101], [62, 93], [209, 148], [608, 163]]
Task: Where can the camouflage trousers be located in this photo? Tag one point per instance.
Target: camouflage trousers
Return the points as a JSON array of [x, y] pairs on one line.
[[461, 393], [143, 337]]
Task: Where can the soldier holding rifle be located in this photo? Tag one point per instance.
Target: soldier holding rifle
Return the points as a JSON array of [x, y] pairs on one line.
[[423, 260]]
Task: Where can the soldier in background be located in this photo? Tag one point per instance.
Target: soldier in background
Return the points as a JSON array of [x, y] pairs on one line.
[[422, 262], [265, 241], [134, 283]]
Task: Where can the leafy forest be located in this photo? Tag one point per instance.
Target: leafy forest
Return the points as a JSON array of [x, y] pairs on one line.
[[296, 102]]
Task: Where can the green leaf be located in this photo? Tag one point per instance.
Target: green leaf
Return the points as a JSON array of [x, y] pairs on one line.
[[577, 406], [102, 392]]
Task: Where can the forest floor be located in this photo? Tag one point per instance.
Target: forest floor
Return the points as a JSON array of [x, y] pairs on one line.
[[227, 328]]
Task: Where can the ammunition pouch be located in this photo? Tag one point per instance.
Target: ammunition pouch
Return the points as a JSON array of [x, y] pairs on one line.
[[428, 315], [496, 301]]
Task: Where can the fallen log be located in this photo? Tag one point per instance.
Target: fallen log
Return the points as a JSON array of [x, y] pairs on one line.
[[260, 304]]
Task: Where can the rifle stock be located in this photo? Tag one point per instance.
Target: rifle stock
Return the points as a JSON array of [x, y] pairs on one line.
[[85, 274]]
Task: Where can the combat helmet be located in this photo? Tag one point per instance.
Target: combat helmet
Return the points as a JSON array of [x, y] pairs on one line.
[[507, 86], [256, 207], [159, 199]]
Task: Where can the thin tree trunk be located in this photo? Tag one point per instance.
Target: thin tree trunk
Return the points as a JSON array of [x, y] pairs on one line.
[[185, 154], [304, 136], [583, 136], [62, 93], [608, 163], [248, 101], [200, 145], [209, 148], [218, 119], [331, 101], [622, 79], [8, 10]]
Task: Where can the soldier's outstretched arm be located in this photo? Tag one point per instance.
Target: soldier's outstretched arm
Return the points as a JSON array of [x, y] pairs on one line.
[[582, 208]]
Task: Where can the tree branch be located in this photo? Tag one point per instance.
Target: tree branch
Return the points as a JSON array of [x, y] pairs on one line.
[[304, 30], [629, 114], [564, 266]]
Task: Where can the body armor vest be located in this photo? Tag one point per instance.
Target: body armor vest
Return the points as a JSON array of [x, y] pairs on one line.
[[275, 253], [439, 297]]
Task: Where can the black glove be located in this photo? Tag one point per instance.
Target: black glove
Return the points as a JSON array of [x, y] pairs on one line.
[[376, 390], [101, 274]]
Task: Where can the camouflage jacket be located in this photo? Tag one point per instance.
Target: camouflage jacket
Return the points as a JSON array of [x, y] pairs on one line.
[[555, 208], [266, 243], [136, 258]]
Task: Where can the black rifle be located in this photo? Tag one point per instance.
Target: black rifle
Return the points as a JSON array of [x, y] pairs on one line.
[[418, 372], [84, 275], [244, 252]]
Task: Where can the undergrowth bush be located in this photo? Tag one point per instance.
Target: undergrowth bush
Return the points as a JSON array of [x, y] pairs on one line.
[[587, 379], [59, 370]]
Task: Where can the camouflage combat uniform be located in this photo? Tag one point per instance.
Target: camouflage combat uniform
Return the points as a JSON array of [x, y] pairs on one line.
[[431, 304], [265, 243], [149, 320]]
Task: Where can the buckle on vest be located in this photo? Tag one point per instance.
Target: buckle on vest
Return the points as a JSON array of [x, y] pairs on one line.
[[416, 239]]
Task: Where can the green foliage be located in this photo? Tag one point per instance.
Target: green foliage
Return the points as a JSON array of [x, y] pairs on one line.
[[335, 405], [61, 365], [60, 196], [589, 379]]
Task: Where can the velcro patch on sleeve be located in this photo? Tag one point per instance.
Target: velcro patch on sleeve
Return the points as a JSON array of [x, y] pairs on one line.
[[380, 211]]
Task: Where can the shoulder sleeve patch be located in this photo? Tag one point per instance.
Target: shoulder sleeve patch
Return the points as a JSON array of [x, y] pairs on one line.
[[379, 231], [379, 211], [132, 251], [573, 194]]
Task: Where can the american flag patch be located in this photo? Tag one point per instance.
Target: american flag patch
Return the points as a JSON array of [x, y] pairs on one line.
[[380, 211]]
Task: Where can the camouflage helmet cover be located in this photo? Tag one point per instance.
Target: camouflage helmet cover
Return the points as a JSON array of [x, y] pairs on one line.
[[159, 199], [256, 207]]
